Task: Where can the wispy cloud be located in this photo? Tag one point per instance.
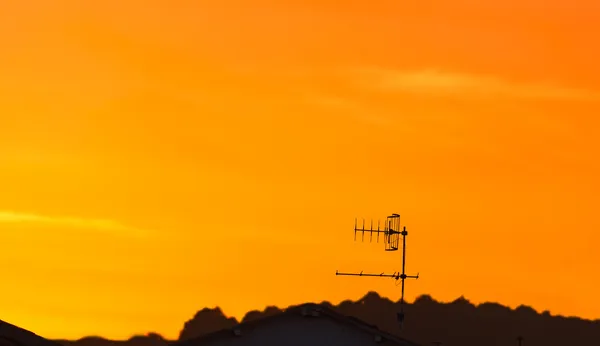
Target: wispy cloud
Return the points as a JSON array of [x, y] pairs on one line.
[[78, 223], [434, 82]]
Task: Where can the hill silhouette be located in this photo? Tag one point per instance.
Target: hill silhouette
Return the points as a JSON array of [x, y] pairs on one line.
[[454, 323]]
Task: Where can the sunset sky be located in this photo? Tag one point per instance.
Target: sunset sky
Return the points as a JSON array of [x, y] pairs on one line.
[[158, 157]]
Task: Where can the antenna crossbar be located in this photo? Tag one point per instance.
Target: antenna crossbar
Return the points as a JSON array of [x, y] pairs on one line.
[[396, 276]]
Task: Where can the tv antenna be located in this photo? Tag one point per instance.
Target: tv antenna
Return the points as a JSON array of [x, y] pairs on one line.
[[391, 238]]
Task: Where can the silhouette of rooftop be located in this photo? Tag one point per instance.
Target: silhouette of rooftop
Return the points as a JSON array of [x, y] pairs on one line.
[[306, 310], [16, 336]]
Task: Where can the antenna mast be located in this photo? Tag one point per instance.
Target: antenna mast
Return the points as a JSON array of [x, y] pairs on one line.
[[391, 236]]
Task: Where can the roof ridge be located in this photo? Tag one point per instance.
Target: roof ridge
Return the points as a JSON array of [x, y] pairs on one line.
[[322, 309]]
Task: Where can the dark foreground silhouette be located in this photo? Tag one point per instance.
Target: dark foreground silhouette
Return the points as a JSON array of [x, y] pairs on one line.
[[458, 323]]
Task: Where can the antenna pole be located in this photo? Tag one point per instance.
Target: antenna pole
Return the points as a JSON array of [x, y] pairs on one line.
[[391, 234], [404, 234]]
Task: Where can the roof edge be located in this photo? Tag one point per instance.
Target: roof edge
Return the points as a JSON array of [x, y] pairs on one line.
[[303, 309]]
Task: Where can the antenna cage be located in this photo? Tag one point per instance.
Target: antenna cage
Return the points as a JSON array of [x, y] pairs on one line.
[[391, 231]]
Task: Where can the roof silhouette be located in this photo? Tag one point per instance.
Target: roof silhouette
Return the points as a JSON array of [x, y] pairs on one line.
[[304, 309], [21, 337]]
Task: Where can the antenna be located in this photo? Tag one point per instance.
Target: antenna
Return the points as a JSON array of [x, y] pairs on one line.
[[391, 236]]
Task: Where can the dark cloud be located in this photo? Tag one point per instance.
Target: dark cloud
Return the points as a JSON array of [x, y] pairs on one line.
[[454, 323]]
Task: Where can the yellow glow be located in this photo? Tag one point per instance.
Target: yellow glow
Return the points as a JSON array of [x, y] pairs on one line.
[[101, 225]]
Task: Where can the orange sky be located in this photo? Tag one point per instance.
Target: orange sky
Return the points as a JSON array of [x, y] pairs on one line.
[[157, 157]]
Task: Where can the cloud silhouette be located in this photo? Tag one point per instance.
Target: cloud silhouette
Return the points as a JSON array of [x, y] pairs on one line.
[[458, 322], [151, 339], [435, 82], [107, 226]]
